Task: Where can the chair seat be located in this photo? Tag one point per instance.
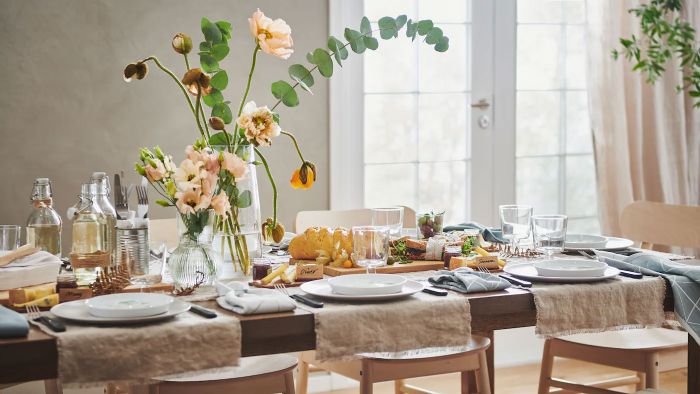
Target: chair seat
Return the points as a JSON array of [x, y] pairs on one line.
[[653, 391], [247, 367], [643, 338], [476, 343]]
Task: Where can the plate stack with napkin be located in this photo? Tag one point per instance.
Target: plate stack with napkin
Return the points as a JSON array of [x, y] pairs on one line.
[[240, 298], [27, 267]]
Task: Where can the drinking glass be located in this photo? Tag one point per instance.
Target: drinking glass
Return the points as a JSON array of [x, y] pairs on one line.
[[370, 246], [550, 233], [9, 237], [516, 222], [391, 217]]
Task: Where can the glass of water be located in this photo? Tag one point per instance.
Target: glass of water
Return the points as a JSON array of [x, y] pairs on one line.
[[391, 217], [10, 235], [516, 222], [550, 233], [370, 246]]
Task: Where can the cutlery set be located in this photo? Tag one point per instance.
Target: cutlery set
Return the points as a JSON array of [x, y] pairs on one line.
[[122, 193]]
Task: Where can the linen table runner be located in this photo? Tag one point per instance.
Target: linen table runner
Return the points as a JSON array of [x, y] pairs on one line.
[[343, 330], [96, 355], [564, 309]]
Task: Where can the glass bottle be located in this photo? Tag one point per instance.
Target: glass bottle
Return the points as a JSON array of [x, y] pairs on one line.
[[44, 223], [101, 180], [89, 252]]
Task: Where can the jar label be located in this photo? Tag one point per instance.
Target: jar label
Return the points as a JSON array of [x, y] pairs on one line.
[[90, 260]]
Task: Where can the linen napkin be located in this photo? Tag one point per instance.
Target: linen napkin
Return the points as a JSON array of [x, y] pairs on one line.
[[12, 324], [466, 280], [35, 269], [252, 301], [492, 235], [684, 280]]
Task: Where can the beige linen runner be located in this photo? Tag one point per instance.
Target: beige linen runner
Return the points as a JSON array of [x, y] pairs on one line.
[[92, 355], [594, 307]]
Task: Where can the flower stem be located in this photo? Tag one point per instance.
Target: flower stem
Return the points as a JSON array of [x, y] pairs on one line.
[[200, 110], [296, 144], [250, 78], [196, 115], [187, 62], [274, 187]]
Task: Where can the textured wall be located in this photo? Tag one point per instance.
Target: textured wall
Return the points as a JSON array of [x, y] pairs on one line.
[[65, 110]]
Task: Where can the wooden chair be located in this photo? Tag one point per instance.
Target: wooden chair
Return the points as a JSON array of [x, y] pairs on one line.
[[345, 218], [646, 351], [259, 375], [375, 368]]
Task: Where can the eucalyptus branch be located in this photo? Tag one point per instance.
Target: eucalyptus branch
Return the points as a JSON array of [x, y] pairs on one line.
[[274, 187], [250, 78], [296, 144]]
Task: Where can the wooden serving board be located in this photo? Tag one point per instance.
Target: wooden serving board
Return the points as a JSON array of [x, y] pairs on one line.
[[257, 283], [415, 266]]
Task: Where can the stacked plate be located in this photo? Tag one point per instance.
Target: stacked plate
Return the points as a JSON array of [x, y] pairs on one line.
[[563, 270], [123, 308], [363, 287], [587, 242]]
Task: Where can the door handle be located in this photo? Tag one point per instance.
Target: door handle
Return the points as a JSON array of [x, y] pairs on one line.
[[482, 104]]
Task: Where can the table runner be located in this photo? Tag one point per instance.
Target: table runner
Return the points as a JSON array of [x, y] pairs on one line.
[[87, 354]]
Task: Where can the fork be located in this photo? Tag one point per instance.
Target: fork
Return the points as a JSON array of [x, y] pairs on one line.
[[520, 284], [299, 298], [629, 274], [142, 199], [34, 314]]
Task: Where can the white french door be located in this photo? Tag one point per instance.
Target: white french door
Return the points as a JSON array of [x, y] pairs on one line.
[[434, 131]]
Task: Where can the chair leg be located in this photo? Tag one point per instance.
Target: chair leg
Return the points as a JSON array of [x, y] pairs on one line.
[[366, 379], [483, 382], [398, 386], [652, 371], [53, 386], [641, 383], [289, 382], [546, 368], [464, 381], [303, 377]]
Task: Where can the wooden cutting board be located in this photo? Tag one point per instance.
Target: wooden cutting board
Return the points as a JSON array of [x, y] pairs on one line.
[[418, 265]]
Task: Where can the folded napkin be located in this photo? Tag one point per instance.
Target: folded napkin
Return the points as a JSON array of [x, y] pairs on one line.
[[684, 280], [12, 324], [490, 234], [466, 280], [254, 301], [35, 269]]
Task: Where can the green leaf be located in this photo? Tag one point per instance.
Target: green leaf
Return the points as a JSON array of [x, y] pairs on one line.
[[443, 44], [400, 21], [284, 91], [219, 51], [433, 36], [245, 199], [388, 27], [322, 59], [338, 48], [209, 63], [276, 117], [355, 39], [204, 46], [220, 80], [219, 139], [371, 43], [214, 97], [211, 32], [163, 203], [225, 28], [366, 27], [411, 30], [223, 111], [424, 26], [302, 75]]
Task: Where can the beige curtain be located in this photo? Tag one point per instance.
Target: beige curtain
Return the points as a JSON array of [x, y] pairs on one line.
[[646, 137]]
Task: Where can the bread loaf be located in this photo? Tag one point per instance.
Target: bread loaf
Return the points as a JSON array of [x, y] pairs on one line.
[[305, 246]]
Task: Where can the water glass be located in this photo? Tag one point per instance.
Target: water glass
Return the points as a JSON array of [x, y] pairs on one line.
[[550, 233], [516, 222], [391, 217], [370, 246], [10, 235]]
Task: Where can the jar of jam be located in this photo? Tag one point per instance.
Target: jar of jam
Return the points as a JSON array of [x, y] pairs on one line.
[[261, 268], [450, 251]]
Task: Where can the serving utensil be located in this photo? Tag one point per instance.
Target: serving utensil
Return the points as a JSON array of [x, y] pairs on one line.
[[121, 205], [142, 200], [299, 298], [34, 314]]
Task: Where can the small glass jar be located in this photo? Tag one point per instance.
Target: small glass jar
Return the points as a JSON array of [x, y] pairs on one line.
[[261, 268], [429, 224]]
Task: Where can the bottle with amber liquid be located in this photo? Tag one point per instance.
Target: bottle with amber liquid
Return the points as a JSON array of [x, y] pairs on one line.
[[89, 253], [44, 223], [101, 198]]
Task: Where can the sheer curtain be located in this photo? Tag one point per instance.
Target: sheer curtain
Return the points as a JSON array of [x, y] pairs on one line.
[[646, 137]]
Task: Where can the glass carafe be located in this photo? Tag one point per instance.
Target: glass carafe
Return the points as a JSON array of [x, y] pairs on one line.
[[44, 223], [89, 252], [101, 181]]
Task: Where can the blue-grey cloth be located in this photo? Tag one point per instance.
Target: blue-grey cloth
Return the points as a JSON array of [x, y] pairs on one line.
[[492, 235], [12, 324], [466, 280], [684, 280]]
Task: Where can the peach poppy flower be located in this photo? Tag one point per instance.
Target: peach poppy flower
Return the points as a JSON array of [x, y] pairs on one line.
[[274, 37], [259, 124], [304, 177], [194, 78]]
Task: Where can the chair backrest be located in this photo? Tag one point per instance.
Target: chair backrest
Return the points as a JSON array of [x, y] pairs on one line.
[[661, 224], [346, 218], [163, 230], [409, 217]]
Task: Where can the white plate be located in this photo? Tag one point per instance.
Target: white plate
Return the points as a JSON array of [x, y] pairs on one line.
[[613, 243], [129, 304], [570, 268], [528, 272], [321, 288], [77, 311], [367, 284], [585, 241]]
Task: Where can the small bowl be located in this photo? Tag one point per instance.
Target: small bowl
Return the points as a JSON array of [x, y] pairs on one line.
[[367, 284], [570, 268], [129, 305], [585, 241]]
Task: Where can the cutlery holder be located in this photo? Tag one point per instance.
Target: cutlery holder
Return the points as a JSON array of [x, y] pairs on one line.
[[133, 248]]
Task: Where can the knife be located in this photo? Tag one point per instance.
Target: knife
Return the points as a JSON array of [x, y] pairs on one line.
[[307, 301], [201, 311], [516, 281], [631, 274], [54, 324]]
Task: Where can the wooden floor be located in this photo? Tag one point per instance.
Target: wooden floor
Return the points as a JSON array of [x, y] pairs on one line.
[[523, 379]]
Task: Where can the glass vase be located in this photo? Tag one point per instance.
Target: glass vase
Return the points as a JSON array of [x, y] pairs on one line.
[[194, 260]]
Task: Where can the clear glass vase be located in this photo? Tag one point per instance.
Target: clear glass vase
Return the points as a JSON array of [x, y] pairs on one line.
[[194, 260]]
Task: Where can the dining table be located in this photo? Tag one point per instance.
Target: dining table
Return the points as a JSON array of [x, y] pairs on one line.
[[36, 356]]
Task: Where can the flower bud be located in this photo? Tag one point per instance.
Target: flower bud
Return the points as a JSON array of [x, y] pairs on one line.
[[182, 43], [216, 123], [139, 169], [159, 153], [163, 203]]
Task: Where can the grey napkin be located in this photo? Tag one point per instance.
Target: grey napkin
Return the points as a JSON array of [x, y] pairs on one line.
[[466, 280], [493, 235], [12, 324], [684, 280]]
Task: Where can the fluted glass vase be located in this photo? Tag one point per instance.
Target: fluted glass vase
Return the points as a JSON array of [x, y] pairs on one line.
[[194, 260]]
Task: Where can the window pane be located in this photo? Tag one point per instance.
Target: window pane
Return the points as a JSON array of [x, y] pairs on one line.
[[375, 9], [442, 127], [453, 11], [393, 67], [390, 184], [539, 11], [538, 57], [390, 133], [580, 186], [537, 183], [443, 186], [537, 123], [448, 71], [578, 124], [575, 57]]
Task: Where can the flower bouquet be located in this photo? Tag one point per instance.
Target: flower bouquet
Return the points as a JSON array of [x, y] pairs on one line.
[[207, 188]]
